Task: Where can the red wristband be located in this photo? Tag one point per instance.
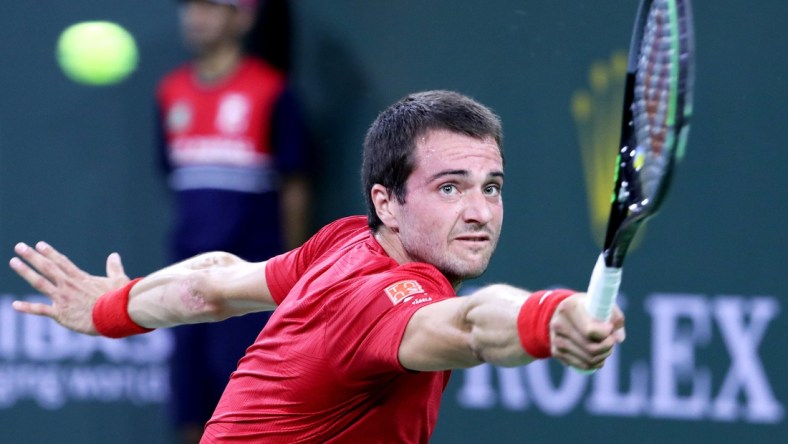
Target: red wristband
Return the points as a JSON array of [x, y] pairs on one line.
[[533, 322], [111, 315]]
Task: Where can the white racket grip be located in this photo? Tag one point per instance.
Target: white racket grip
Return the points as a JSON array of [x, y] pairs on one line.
[[603, 289]]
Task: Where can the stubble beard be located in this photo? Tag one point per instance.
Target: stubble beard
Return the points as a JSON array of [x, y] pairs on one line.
[[452, 265]]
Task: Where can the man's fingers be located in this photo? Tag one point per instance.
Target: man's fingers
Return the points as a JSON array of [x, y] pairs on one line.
[[43, 265], [569, 354], [591, 354], [579, 340], [59, 259], [567, 347], [115, 266], [573, 310], [32, 277], [34, 308], [617, 319], [583, 325]]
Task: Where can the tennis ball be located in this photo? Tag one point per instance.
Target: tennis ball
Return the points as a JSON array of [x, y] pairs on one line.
[[96, 53]]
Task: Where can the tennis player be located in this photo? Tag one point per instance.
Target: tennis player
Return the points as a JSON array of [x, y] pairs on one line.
[[366, 324]]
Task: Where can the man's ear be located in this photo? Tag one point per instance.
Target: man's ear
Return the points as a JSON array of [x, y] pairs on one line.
[[386, 206]]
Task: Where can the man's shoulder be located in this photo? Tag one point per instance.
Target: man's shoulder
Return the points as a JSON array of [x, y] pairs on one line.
[[340, 233], [353, 230], [417, 272], [382, 285], [348, 224]]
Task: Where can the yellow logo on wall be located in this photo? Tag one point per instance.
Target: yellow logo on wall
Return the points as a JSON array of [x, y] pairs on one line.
[[597, 114]]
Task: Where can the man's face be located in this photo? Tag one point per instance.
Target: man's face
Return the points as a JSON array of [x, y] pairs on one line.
[[453, 209], [206, 25]]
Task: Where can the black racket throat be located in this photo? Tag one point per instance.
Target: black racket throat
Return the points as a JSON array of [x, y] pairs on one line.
[[626, 216], [624, 222], [630, 208]]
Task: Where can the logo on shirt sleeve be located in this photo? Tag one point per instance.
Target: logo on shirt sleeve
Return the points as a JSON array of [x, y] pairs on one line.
[[403, 291]]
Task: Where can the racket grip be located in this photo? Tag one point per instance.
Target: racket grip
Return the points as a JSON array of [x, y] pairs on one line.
[[602, 290]]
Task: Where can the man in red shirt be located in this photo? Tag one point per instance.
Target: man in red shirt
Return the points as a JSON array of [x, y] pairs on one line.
[[367, 325]]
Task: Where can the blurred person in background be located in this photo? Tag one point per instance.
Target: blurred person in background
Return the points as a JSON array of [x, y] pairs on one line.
[[233, 146]]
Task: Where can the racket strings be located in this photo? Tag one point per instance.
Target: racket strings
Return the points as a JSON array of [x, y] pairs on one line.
[[652, 84], [652, 100]]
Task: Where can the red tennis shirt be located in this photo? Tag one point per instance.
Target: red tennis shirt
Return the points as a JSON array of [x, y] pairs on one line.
[[325, 368]]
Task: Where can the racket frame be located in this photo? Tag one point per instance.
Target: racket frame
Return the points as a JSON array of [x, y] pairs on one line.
[[629, 210]]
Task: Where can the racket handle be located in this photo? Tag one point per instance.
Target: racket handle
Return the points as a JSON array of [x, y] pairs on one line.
[[602, 290]]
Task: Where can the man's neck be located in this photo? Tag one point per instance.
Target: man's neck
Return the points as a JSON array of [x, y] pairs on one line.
[[217, 64], [393, 247]]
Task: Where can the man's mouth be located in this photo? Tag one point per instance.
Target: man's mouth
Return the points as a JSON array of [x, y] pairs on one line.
[[474, 238]]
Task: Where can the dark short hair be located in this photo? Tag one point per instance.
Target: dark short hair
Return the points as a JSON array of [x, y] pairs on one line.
[[391, 139]]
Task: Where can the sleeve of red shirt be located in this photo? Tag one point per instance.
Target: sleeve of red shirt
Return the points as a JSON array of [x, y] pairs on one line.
[[381, 344], [283, 271]]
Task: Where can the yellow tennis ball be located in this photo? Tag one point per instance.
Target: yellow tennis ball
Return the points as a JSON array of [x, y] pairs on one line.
[[97, 53]]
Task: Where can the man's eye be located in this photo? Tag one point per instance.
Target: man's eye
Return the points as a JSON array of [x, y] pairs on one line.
[[492, 190], [448, 189]]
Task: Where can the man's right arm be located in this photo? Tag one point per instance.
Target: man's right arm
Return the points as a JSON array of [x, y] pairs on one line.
[[205, 288]]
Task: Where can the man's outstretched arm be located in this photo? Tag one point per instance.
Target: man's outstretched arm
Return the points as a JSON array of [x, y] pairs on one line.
[[493, 324], [206, 288]]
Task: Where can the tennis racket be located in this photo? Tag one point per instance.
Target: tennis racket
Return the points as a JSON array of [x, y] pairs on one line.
[[657, 109]]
